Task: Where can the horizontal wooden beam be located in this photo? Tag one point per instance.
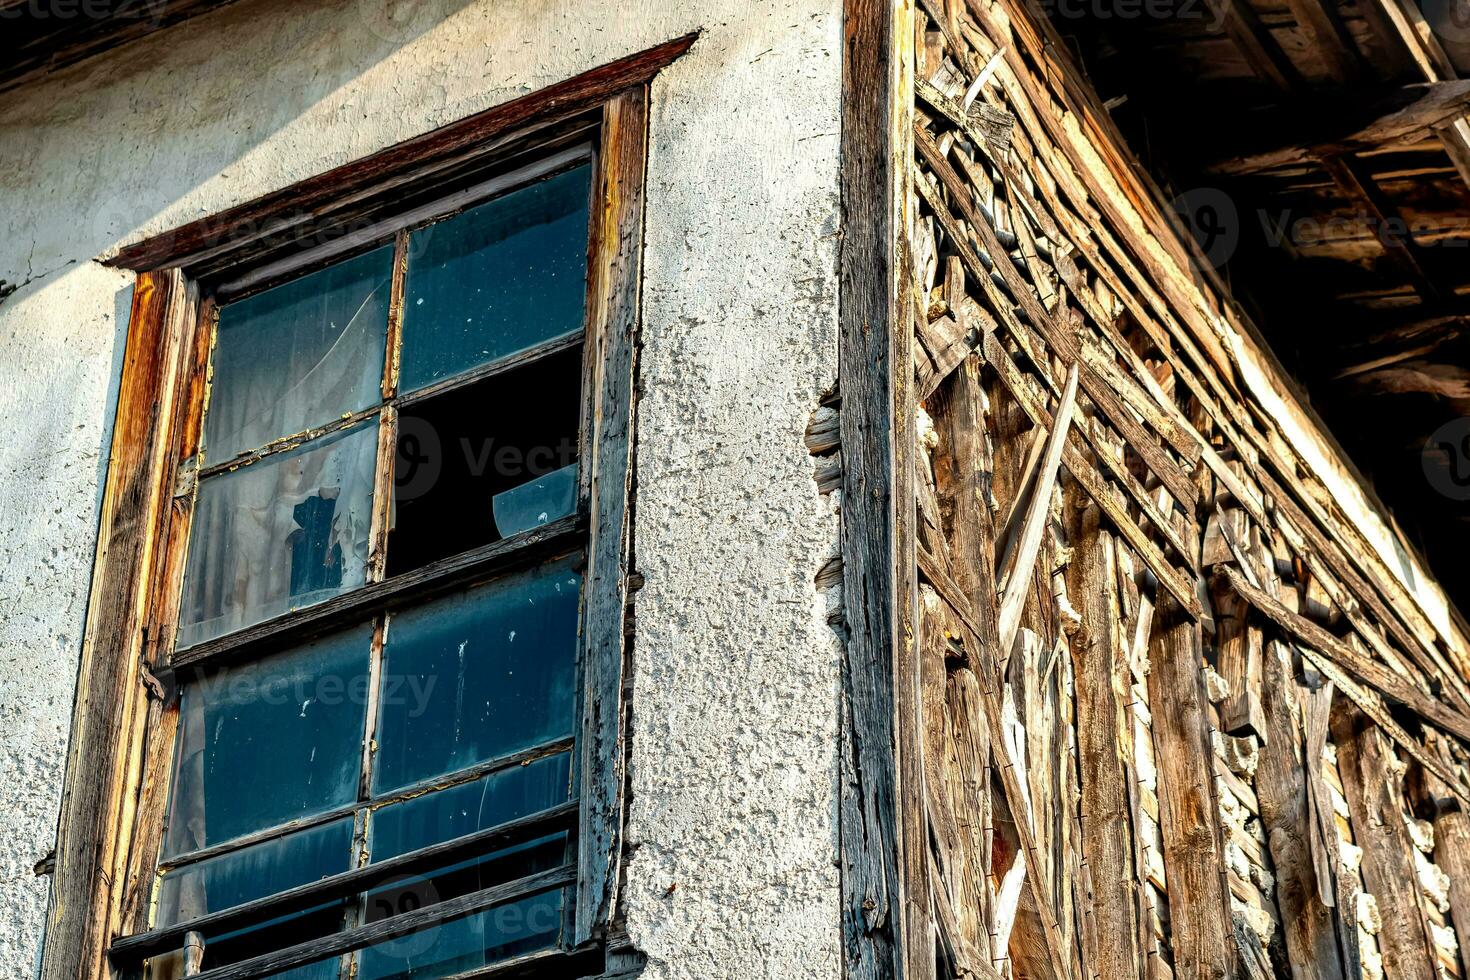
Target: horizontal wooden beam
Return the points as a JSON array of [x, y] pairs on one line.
[[1305, 130], [457, 571], [423, 861], [450, 910]]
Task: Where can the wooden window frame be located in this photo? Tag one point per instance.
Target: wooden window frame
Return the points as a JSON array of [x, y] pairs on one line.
[[126, 712]]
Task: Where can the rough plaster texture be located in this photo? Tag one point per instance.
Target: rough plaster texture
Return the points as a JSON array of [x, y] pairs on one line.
[[732, 824]]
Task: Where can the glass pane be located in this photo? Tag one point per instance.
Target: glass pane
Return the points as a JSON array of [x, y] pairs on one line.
[[270, 741], [464, 809], [267, 868], [287, 531], [476, 940], [477, 675], [496, 279], [299, 355]]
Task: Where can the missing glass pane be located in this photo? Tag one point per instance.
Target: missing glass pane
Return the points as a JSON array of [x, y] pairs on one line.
[[478, 675], [287, 531], [497, 279], [269, 742], [299, 355], [486, 461]]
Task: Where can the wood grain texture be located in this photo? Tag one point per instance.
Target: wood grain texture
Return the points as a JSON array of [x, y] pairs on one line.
[[102, 765], [1372, 781], [872, 306], [1202, 936], [1100, 666], [1309, 926], [615, 288]]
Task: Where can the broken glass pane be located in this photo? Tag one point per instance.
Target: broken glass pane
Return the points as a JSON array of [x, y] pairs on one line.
[[299, 355], [476, 940], [478, 675], [287, 531], [474, 465], [270, 741], [496, 279]]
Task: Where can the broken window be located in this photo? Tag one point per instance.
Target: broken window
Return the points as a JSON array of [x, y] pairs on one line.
[[380, 629]]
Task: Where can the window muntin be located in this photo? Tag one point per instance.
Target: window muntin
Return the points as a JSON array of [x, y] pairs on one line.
[[294, 522]]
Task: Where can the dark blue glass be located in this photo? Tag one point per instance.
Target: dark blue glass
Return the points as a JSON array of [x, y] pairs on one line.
[[478, 675], [464, 809], [496, 279], [270, 741]]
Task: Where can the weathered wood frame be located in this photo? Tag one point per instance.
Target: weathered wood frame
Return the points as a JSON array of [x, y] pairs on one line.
[[125, 716]]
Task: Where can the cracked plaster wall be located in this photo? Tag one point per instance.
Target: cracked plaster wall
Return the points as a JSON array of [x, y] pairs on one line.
[[732, 819]]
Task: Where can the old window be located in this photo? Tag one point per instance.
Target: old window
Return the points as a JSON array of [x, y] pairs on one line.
[[379, 619]]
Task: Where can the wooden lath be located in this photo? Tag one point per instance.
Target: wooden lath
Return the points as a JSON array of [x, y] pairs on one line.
[[1102, 512]]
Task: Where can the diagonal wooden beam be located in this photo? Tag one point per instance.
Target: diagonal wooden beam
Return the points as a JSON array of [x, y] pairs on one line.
[[1257, 45], [1402, 26], [1322, 25], [1303, 131], [1389, 226]]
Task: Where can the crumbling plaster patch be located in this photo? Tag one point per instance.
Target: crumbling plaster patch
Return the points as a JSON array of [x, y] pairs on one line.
[[732, 822]]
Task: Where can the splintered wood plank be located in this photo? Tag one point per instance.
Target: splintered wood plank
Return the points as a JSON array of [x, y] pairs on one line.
[[614, 290], [102, 764], [1310, 920], [1099, 664], [1203, 938], [1452, 854], [874, 364], [1375, 675], [1372, 777], [1029, 546]]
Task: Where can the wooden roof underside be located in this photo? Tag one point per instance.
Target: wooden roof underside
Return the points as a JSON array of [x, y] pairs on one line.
[[38, 37], [1336, 131]]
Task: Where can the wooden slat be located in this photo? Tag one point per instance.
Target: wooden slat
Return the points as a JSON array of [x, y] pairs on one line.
[[110, 700], [1309, 926], [1452, 854], [1099, 664], [1375, 675], [872, 310], [1373, 783], [614, 288], [1202, 937]]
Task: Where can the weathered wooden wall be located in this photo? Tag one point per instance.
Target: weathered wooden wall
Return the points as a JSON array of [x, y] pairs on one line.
[[1173, 722]]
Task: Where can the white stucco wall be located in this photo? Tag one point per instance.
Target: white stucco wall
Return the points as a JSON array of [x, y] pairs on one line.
[[732, 820]]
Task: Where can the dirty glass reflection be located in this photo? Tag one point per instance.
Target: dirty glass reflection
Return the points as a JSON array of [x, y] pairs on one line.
[[270, 741], [287, 531], [299, 355], [470, 807], [254, 872], [494, 669], [476, 940], [496, 279]]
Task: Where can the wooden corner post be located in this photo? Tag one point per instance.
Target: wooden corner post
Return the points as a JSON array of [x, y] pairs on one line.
[[887, 924]]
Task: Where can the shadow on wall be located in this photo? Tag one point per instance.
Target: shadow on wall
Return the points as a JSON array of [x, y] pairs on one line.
[[190, 120]]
